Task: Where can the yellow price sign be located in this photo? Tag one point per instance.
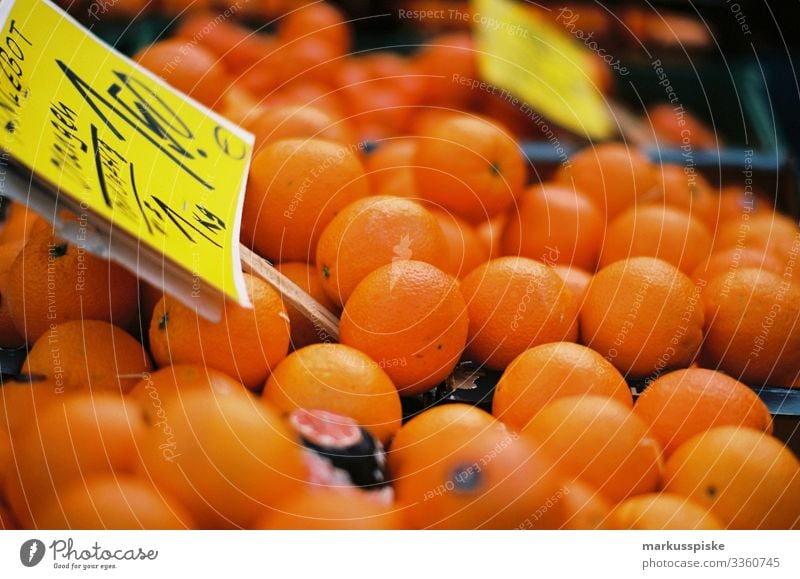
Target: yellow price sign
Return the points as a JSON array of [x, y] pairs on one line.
[[520, 51], [119, 143]]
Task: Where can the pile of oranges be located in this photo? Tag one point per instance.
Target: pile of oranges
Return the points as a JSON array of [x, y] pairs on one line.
[[400, 200]]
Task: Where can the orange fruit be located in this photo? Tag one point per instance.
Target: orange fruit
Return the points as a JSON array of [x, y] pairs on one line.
[[753, 327], [600, 441], [318, 20], [187, 66], [296, 187], [493, 480], [516, 303], [52, 281], [734, 202], [442, 59], [577, 281], [684, 403], [652, 231], [303, 331], [672, 129], [297, 122], [82, 435], [245, 343], [746, 478], [469, 166], [686, 191], [379, 112], [769, 232], [9, 335], [643, 315], [420, 435], [345, 509], [225, 458], [465, 248], [373, 232], [584, 507], [20, 223], [490, 232], [411, 319], [390, 168], [612, 175], [392, 71], [663, 512], [88, 355], [729, 261], [339, 379], [550, 371], [121, 502], [21, 402], [153, 389], [5, 456], [556, 225], [7, 520]]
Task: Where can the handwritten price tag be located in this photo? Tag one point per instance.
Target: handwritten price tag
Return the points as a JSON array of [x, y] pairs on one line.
[[520, 51], [100, 130]]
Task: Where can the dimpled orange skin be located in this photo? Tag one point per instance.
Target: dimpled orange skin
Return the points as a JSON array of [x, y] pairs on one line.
[[681, 404], [411, 318], [642, 314], [600, 441], [663, 511], [745, 477], [245, 344], [339, 379], [549, 371], [89, 355], [514, 304], [372, 232], [753, 327], [555, 222], [612, 175], [469, 166], [304, 331], [296, 187], [652, 231]]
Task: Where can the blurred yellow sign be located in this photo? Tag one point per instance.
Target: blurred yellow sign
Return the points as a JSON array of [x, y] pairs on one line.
[[521, 51], [95, 127]]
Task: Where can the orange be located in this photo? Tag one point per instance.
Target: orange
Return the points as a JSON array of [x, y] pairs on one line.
[[769, 232], [318, 20], [556, 225], [20, 223], [550, 371], [643, 315], [419, 436], [296, 187], [5, 457], [441, 60], [516, 303], [600, 441], [82, 435], [304, 59], [225, 458], [390, 168], [746, 478], [373, 232], [52, 281], [652, 231], [7, 520], [465, 248], [390, 70], [119, 502], [492, 480], [729, 261], [753, 327], [21, 402], [612, 175], [345, 509], [734, 202], [153, 389], [187, 66], [338, 379], [490, 232], [469, 166], [88, 355], [304, 331], [297, 122], [411, 319], [246, 343], [585, 508], [685, 190], [663, 512], [379, 112], [9, 335], [673, 129], [308, 93], [683, 403], [577, 280]]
